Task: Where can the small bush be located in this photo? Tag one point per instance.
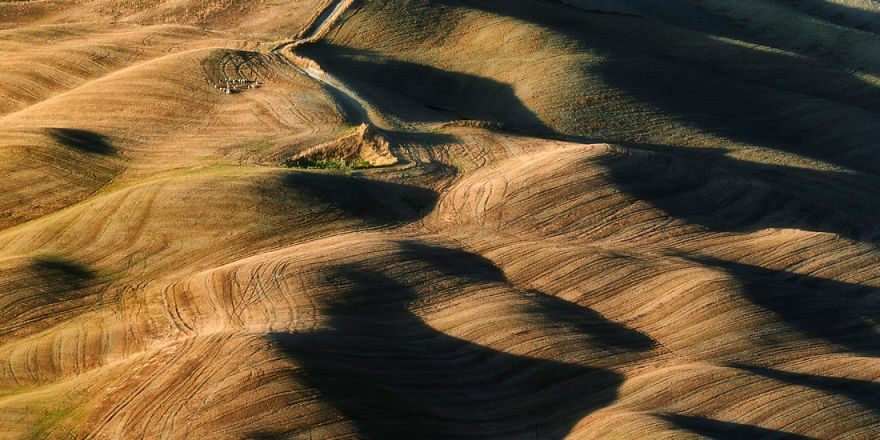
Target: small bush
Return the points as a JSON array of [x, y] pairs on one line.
[[304, 162], [360, 164], [327, 164]]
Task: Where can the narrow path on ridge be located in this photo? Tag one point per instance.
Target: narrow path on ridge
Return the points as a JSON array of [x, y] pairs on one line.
[[355, 106]]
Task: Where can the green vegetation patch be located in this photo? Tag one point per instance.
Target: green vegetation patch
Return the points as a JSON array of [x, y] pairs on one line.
[[327, 164], [49, 421]]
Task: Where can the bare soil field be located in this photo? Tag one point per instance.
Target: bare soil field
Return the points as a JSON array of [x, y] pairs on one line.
[[507, 219]]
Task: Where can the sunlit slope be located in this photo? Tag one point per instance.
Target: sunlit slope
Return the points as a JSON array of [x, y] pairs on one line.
[[45, 170], [281, 19], [300, 314], [79, 298], [591, 220], [69, 138], [612, 77], [162, 221], [575, 191], [45, 61], [667, 317]]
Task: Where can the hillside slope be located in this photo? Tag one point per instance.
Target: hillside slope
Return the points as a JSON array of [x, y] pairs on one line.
[[439, 219]]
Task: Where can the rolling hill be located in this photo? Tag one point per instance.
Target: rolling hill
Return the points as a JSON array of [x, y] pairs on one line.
[[508, 219]]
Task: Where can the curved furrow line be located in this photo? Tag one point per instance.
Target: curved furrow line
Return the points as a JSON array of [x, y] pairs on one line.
[[44, 174], [105, 104], [161, 281], [660, 293], [708, 391], [314, 255], [75, 64], [127, 222]]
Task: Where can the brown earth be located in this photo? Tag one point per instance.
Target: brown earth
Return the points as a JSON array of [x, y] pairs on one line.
[[582, 219]]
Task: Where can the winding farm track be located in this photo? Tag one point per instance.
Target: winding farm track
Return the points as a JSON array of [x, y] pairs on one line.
[[599, 226], [357, 106]]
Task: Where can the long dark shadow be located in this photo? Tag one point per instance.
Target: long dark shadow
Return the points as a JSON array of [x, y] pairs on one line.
[[66, 275], [376, 202], [82, 140], [691, 15], [840, 14], [840, 313], [421, 93], [718, 430], [394, 376], [706, 187], [420, 138], [43, 292], [772, 99], [864, 392], [459, 263]]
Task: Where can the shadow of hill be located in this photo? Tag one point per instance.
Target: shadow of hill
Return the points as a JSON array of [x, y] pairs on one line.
[[602, 331], [395, 376], [718, 430], [775, 100], [44, 291], [458, 263], [839, 14], [840, 313], [819, 33], [376, 202], [265, 435], [420, 138], [692, 16], [864, 392], [82, 140], [421, 93], [678, 12], [831, 22], [706, 187], [764, 115], [782, 101]]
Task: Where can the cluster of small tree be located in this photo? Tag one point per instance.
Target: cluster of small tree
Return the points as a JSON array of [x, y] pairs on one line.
[[327, 164]]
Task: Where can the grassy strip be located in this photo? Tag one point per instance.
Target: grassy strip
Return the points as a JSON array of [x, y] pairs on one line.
[[327, 164]]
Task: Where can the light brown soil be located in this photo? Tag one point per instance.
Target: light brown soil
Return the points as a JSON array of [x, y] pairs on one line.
[[586, 219]]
